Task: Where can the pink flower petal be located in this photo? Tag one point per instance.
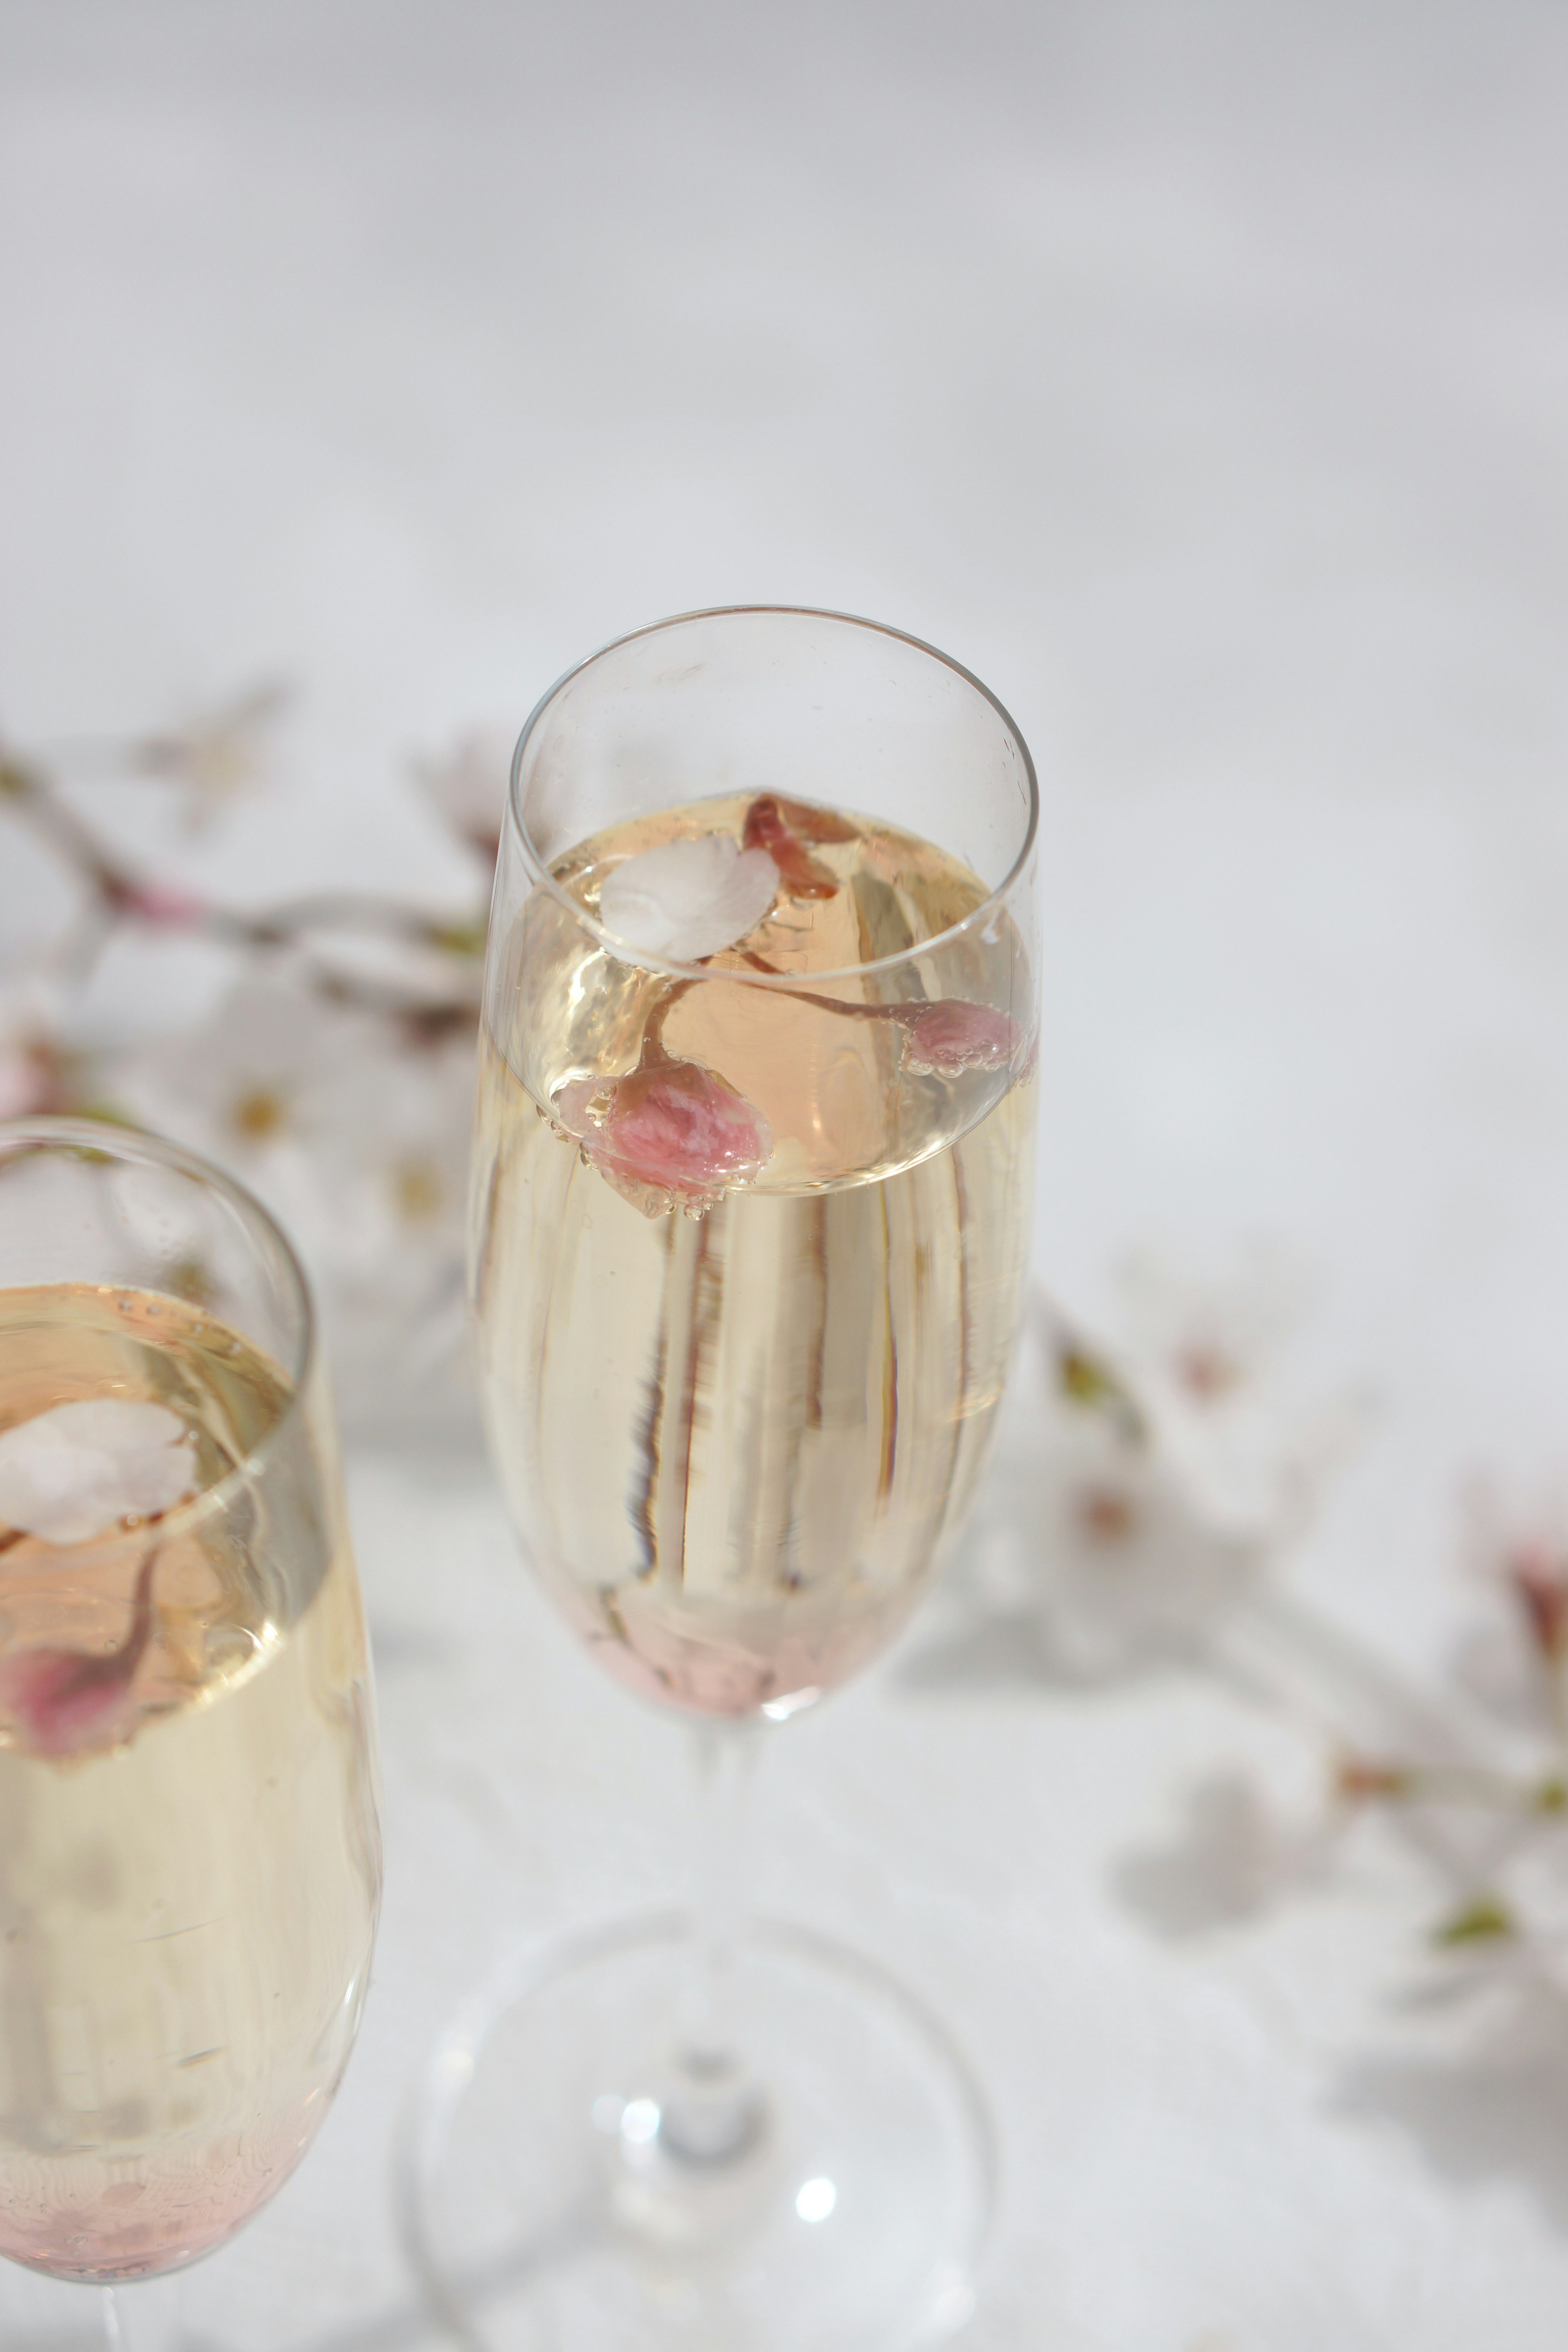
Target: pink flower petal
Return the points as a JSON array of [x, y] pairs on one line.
[[671, 1135], [689, 899], [67, 1700], [769, 827], [950, 1035], [61, 1705], [164, 908], [1538, 1582], [29, 1079]]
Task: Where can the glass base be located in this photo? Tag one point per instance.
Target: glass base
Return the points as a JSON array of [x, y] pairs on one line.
[[570, 2181]]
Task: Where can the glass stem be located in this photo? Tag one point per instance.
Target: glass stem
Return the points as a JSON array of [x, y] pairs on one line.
[[726, 1764], [144, 2317], [712, 2111]]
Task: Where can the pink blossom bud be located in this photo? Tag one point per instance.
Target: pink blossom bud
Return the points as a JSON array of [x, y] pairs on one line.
[[67, 1700], [668, 1135], [1537, 1579], [1358, 1780], [167, 910], [31, 1079], [950, 1035]]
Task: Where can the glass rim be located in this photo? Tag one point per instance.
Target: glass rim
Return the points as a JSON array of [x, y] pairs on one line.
[[645, 959], [108, 1140]]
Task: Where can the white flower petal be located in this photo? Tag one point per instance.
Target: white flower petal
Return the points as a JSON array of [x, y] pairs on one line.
[[468, 786], [72, 1472], [689, 899]]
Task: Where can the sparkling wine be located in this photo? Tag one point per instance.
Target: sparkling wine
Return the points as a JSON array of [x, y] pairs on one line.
[[740, 1408], [189, 1858]]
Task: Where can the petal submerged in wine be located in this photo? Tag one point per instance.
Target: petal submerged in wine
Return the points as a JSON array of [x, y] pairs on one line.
[[671, 1135]]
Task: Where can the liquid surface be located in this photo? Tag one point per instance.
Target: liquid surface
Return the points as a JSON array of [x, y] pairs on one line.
[[738, 1441], [189, 1859]]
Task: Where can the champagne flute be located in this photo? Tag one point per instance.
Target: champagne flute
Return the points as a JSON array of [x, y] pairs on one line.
[[751, 1199], [190, 1864]]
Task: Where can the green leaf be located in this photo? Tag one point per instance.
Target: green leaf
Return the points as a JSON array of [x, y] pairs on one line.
[[1483, 1920], [466, 939], [1087, 1379]]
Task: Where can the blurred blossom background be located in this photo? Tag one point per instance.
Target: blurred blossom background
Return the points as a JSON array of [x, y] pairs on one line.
[[1197, 374], [1193, 370]]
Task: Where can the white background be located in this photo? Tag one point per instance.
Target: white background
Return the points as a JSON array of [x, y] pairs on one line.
[[1198, 374]]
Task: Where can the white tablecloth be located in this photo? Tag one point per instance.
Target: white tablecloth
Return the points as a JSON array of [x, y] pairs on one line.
[[1199, 376]]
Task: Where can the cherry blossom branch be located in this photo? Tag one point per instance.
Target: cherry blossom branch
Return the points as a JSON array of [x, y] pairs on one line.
[[117, 893], [942, 1034]]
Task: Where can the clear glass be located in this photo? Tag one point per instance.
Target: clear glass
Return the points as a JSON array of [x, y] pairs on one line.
[[751, 1213], [190, 1863]]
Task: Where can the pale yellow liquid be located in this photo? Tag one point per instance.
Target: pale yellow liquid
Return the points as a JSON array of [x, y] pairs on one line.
[[187, 1916], [739, 1446]]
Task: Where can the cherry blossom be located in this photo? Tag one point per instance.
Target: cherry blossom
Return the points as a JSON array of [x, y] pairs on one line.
[[1205, 1352], [689, 899], [1517, 1665], [1125, 1519], [942, 1035], [949, 1035], [783, 828], [335, 1074], [669, 1134], [33, 1073], [1209, 1335], [260, 1071], [1091, 1539], [83, 1466], [467, 786], [1538, 1572], [155, 903], [68, 1700], [357, 1140], [219, 753]]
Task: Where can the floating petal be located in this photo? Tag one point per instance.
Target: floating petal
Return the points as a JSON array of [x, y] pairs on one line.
[[783, 828], [687, 900], [66, 1700], [72, 1472]]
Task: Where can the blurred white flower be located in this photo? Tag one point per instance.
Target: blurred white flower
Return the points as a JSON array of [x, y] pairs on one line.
[[218, 754], [33, 1066], [1203, 1355], [1237, 1853], [468, 784], [1210, 1334], [336, 1076], [252, 1081], [1140, 1490], [1084, 1524], [1517, 1663], [358, 1141], [394, 1165], [689, 899]]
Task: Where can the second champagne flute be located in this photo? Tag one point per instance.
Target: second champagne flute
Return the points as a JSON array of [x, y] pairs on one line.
[[190, 1864]]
